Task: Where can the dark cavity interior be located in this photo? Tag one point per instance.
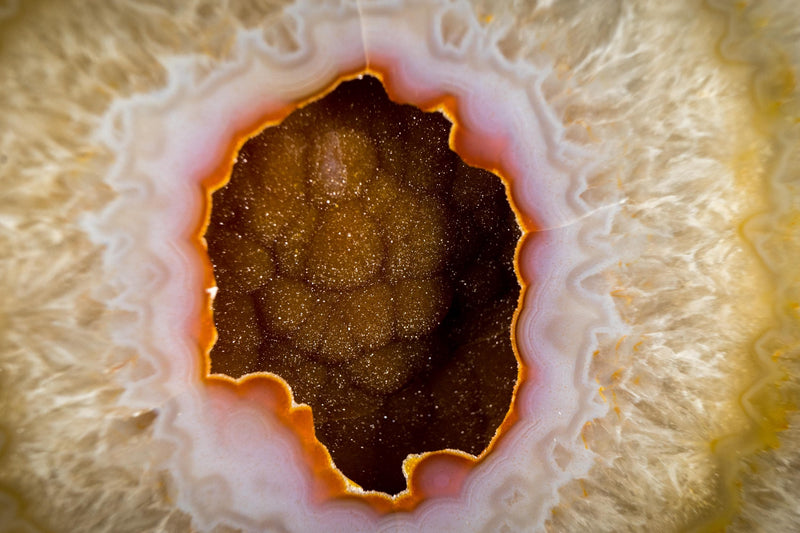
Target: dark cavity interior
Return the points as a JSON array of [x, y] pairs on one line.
[[359, 259]]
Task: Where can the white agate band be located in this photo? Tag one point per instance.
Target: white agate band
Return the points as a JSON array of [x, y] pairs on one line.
[[232, 462]]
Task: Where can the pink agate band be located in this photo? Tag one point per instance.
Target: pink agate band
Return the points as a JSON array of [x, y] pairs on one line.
[[231, 459]]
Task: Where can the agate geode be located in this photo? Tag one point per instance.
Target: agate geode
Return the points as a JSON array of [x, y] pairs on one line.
[[648, 150], [426, 65]]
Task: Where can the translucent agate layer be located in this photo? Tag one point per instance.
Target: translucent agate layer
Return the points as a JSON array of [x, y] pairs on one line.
[[423, 56], [652, 146]]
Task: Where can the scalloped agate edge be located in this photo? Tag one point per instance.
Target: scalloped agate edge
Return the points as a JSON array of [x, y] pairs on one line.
[[232, 462]]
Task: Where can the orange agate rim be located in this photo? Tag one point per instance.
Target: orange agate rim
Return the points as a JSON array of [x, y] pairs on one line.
[[328, 481]]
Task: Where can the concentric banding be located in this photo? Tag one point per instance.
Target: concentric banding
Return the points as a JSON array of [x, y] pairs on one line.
[[423, 64]]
